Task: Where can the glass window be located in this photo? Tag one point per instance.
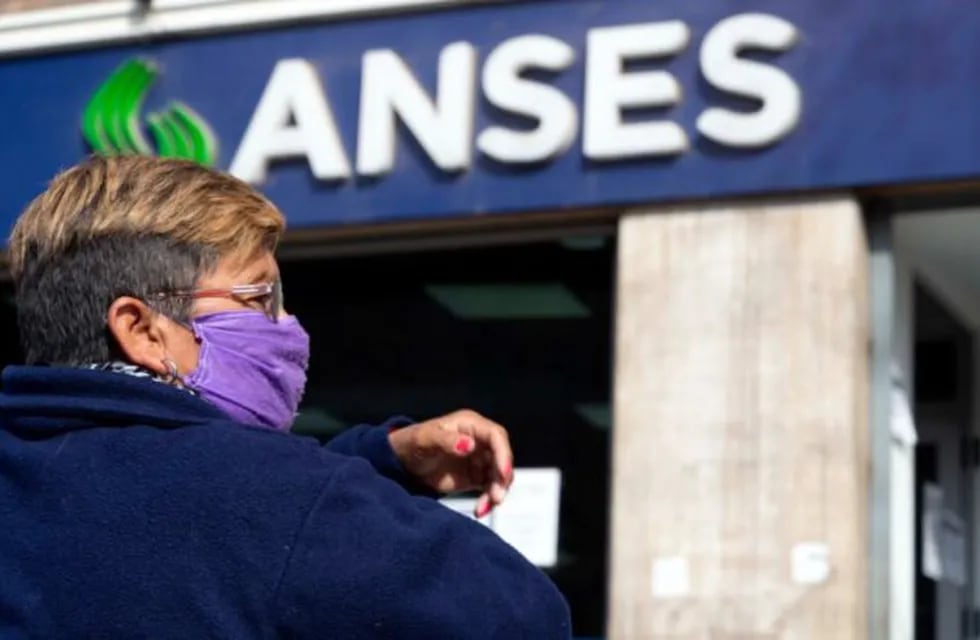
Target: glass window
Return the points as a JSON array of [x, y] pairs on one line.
[[519, 333]]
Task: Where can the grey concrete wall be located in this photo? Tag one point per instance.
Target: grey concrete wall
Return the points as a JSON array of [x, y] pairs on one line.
[[741, 423]]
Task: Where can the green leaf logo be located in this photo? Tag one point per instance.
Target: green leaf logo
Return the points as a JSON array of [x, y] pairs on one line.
[[111, 122]]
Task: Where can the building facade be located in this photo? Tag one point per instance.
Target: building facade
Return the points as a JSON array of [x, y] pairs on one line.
[[713, 264]]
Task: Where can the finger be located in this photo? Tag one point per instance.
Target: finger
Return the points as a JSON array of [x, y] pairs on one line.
[[477, 471], [485, 463], [507, 477], [494, 496], [490, 434], [492, 484], [497, 493], [477, 476], [483, 506], [444, 439], [499, 475]]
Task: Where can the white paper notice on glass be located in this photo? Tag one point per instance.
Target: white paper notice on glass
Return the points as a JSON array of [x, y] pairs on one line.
[[902, 423], [528, 517], [953, 547], [932, 518]]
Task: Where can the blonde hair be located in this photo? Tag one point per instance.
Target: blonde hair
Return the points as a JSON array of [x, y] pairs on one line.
[[144, 196]]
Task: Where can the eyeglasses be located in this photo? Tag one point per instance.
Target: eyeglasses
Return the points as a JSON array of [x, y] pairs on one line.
[[268, 294]]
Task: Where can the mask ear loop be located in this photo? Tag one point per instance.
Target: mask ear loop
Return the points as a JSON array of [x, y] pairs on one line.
[[173, 373]]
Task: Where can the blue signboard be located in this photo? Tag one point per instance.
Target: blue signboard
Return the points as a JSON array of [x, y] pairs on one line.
[[513, 107]]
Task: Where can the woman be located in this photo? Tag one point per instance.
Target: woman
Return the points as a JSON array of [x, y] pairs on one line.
[[148, 486]]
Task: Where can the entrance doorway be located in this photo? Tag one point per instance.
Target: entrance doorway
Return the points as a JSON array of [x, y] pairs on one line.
[[945, 456]]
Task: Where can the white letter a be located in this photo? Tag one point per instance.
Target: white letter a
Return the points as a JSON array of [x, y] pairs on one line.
[[292, 120]]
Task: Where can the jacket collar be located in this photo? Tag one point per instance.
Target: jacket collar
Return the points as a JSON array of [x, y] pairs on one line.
[[60, 398]]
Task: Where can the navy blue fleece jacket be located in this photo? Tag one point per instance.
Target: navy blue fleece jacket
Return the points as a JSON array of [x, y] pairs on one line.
[[129, 509]]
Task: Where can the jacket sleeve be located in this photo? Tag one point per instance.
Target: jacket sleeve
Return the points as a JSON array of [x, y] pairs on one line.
[[371, 443], [372, 561]]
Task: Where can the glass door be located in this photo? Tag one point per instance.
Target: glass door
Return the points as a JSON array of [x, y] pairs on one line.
[[520, 333]]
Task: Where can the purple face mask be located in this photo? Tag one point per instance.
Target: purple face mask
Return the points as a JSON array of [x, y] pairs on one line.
[[250, 367]]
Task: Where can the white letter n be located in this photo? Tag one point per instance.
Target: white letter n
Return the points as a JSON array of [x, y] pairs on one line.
[[444, 130]]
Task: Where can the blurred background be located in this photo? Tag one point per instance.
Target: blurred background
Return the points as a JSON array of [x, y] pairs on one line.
[[714, 265]]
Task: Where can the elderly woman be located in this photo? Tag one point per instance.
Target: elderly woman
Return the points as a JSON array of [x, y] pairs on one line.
[[148, 484]]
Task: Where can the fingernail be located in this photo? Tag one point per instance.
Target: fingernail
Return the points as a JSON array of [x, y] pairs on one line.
[[463, 445], [508, 470], [484, 510]]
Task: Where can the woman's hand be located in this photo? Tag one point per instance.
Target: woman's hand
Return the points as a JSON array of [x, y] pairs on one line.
[[462, 451]]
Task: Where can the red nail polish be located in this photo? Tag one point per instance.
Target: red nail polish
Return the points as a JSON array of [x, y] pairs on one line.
[[463, 445]]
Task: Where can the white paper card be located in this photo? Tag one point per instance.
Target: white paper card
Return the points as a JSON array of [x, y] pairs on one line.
[[671, 577], [810, 563], [528, 517]]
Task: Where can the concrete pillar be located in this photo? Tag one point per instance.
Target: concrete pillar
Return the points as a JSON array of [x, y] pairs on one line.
[[741, 424]]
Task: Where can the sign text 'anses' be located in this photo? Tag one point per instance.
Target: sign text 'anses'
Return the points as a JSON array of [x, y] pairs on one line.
[[294, 118]]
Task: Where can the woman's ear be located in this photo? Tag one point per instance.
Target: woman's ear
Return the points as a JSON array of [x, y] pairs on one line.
[[138, 333]]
